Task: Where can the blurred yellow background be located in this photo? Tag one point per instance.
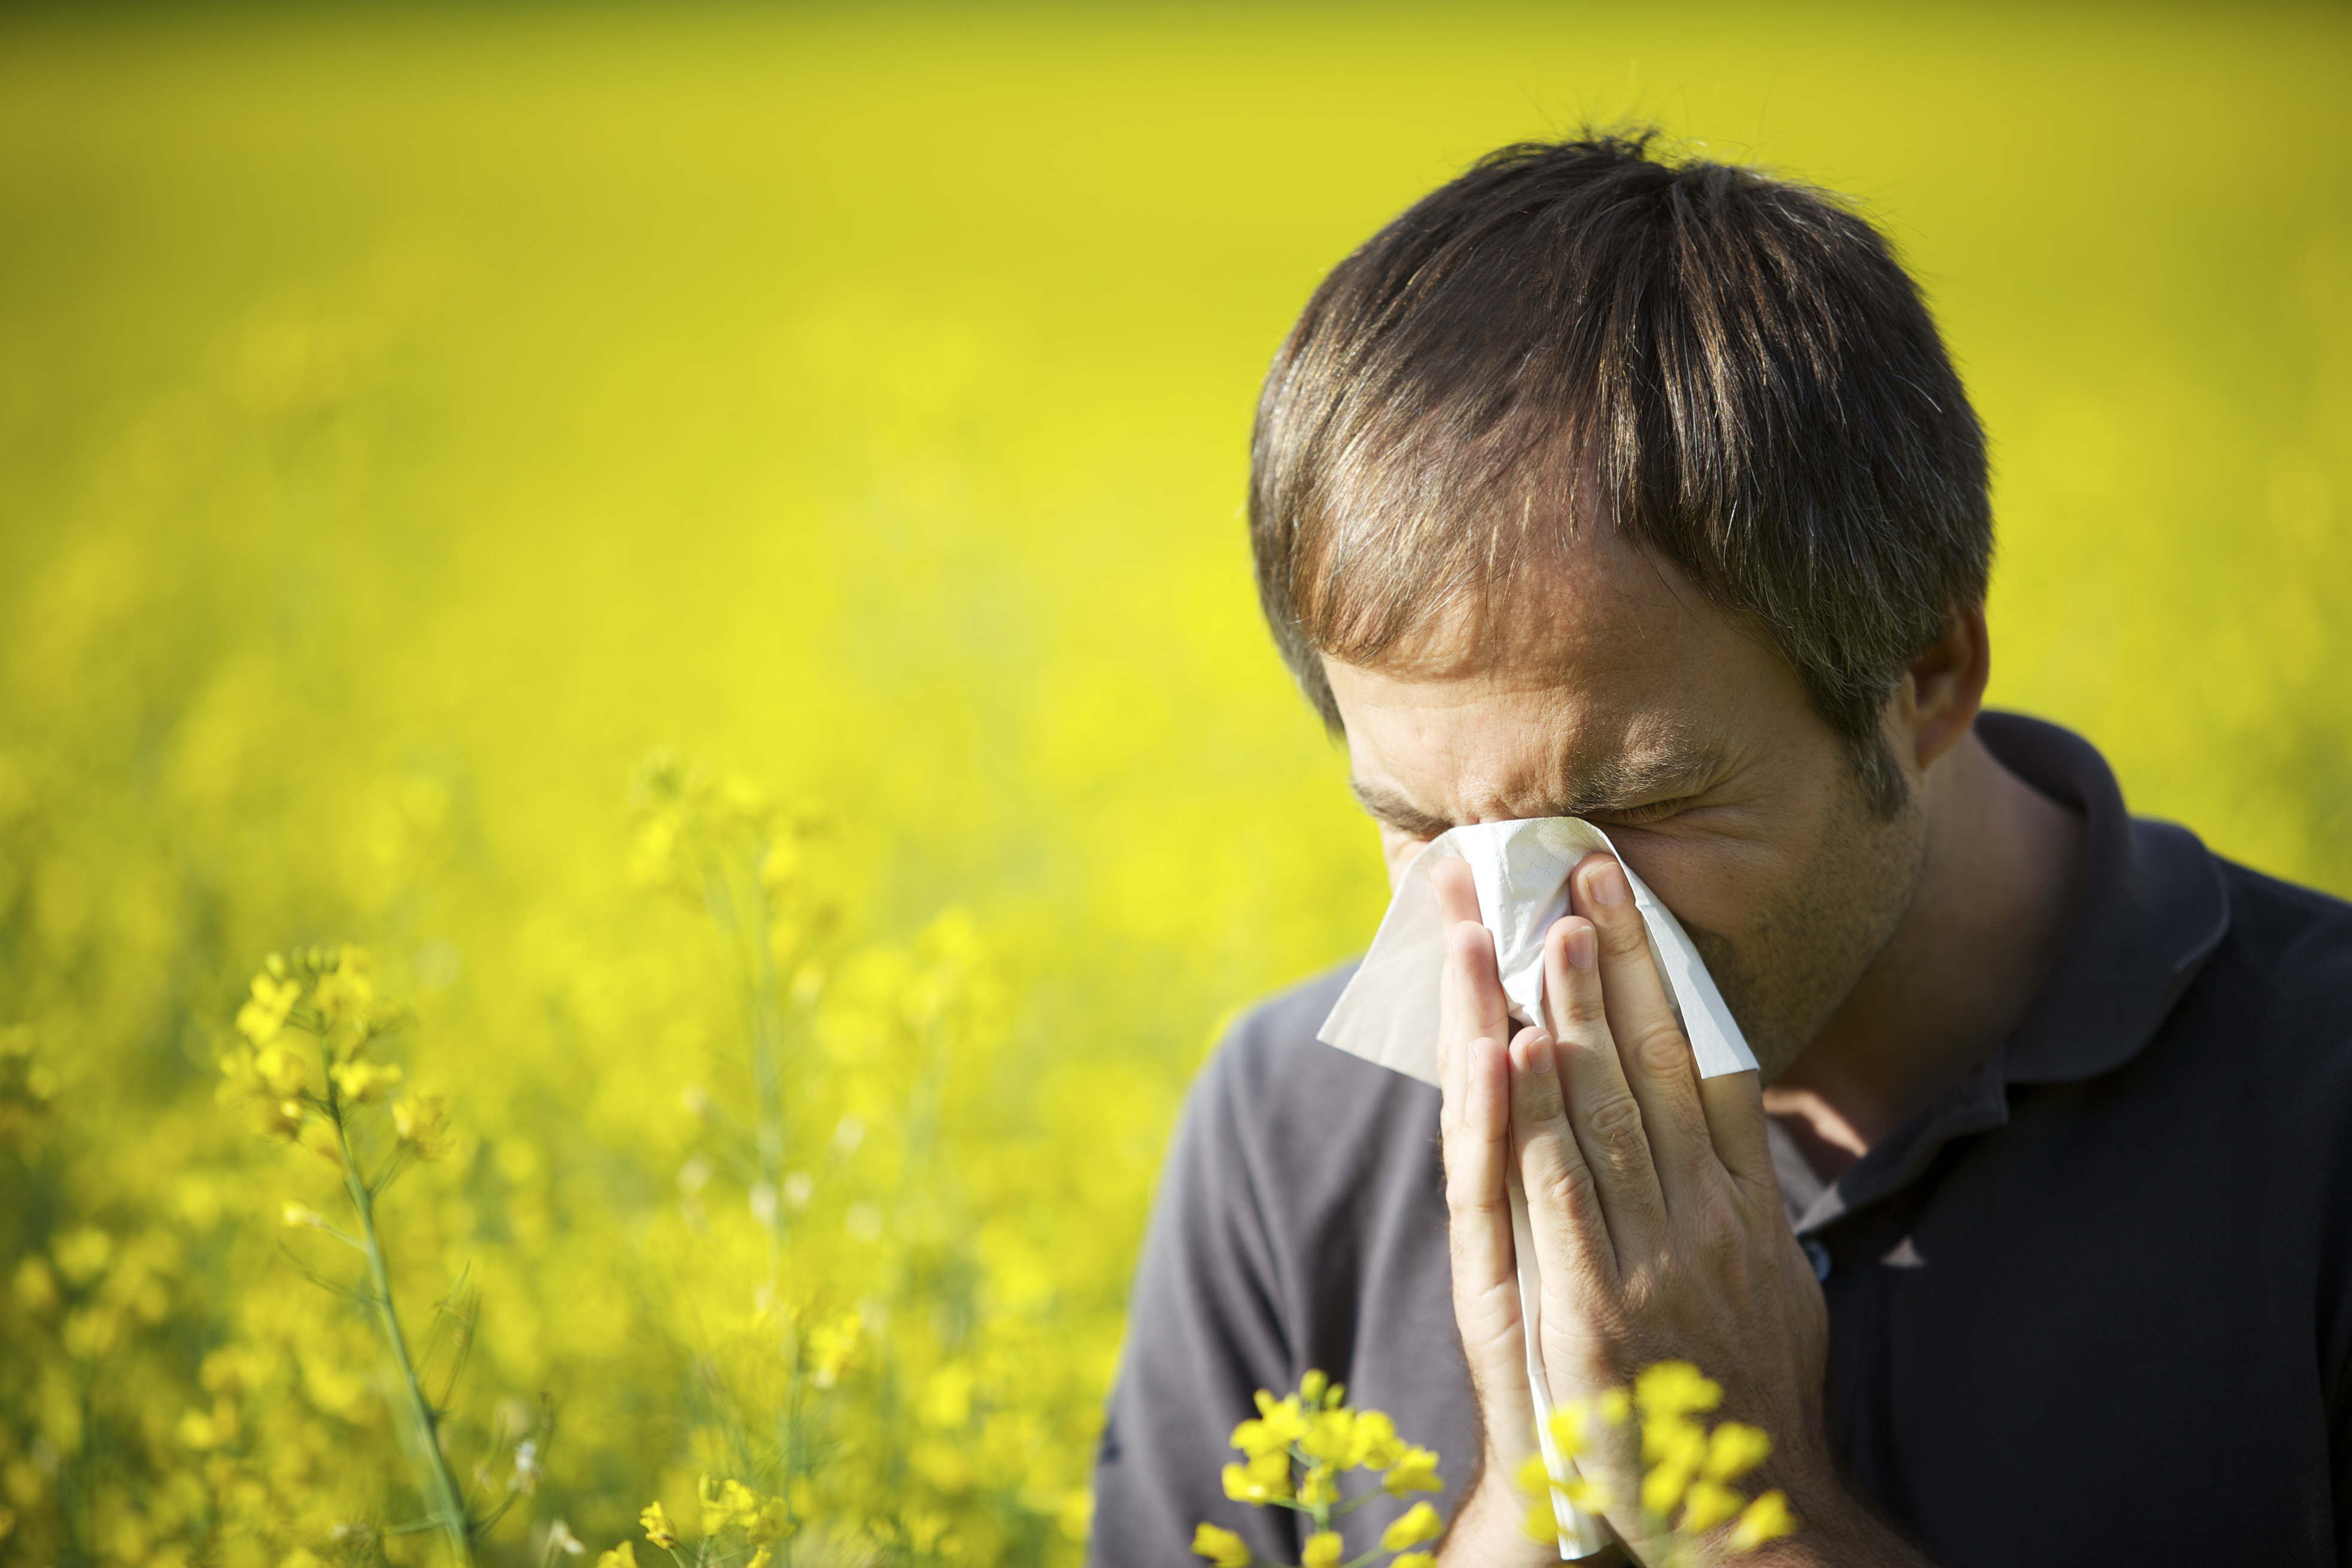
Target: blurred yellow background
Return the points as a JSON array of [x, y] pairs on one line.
[[411, 417]]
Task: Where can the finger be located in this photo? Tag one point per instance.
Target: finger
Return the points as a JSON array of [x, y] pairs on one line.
[[1603, 1113], [1651, 1045], [1734, 1102], [1457, 889], [1564, 1208], [1485, 1281], [1471, 1002], [1477, 1146]]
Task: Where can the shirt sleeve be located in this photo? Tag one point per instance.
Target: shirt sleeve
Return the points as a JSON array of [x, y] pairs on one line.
[[1205, 1332]]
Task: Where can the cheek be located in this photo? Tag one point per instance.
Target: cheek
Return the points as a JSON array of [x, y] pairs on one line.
[[1731, 887], [1399, 851]]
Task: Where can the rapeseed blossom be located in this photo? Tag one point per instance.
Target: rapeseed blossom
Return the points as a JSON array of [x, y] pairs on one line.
[[1298, 1448], [1682, 1471]]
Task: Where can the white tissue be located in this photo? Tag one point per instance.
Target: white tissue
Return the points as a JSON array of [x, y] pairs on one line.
[[1389, 1014]]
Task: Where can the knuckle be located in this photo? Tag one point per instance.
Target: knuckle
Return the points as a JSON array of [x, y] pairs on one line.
[[1664, 1049], [1616, 1123], [1467, 1190], [1581, 1004], [1535, 1108], [1568, 1185], [1616, 1142], [1622, 933]]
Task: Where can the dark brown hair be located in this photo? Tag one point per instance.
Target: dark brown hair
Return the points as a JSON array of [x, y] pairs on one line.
[[1736, 366]]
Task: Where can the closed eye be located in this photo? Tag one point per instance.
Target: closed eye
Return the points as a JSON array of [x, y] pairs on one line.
[[1648, 812]]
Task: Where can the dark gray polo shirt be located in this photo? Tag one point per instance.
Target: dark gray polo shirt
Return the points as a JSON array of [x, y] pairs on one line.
[[2092, 1305]]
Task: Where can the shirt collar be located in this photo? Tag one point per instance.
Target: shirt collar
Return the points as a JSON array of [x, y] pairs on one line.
[[2150, 910]]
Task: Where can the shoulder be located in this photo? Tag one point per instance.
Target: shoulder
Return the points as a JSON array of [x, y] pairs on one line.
[[2289, 952], [2300, 924], [2260, 1045], [1270, 1067], [1292, 1114]]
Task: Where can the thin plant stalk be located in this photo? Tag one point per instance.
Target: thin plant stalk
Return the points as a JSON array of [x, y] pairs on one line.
[[444, 1499]]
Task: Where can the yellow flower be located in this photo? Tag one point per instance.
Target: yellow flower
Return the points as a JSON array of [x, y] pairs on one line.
[[277, 1118], [1277, 1426], [769, 1521], [831, 1343], [727, 1503], [1414, 1470], [761, 1559], [302, 1217], [199, 1430], [363, 1083], [37, 1287], [423, 1123], [1373, 1445], [281, 1070], [1351, 1439], [345, 993], [1419, 1524], [658, 1526], [1222, 1547], [1767, 1519], [1330, 1435], [1672, 1388], [1319, 1488], [1266, 1478], [625, 1555], [1708, 1505], [1569, 1424], [1733, 1449], [1312, 1387], [1533, 1476], [82, 1255], [1673, 1440], [319, 1137], [1614, 1406], [1663, 1487], [1322, 1549], [1417, 1560], [261, 1019], [1587, 1494]]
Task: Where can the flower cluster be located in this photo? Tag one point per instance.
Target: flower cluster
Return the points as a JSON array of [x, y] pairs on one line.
[[739, 1525], [311, 1095], [1685, 1470], [299, 1092], [1296, 1450]]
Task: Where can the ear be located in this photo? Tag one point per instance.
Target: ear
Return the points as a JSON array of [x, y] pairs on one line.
[[1943, 690]]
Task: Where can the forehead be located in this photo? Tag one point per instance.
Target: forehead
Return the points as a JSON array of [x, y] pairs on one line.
[[1602, 677]]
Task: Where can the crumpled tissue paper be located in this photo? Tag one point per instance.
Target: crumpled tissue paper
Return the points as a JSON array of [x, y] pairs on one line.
[[1389, 1015]]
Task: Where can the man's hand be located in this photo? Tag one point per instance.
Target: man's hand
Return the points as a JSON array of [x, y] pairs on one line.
[[1656, 1218]]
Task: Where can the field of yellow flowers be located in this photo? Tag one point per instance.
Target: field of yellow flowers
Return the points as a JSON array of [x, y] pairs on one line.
[[704, 545]]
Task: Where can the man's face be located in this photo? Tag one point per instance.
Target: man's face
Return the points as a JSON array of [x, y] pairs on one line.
[[1610, 689]]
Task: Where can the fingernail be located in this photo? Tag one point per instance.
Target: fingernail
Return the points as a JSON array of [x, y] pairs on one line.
[[1536, 1054], [1580, 947], [1608, 886]]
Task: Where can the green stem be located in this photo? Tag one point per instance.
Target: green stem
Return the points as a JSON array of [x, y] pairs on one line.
[[444, 1500]]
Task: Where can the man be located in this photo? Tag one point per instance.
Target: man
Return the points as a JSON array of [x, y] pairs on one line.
[[1601, 485]]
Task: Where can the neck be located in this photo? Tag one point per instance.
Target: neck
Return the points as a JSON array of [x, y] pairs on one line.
[[1995, 892]]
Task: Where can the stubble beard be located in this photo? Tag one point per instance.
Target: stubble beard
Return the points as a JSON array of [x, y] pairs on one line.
[[1805, 954]]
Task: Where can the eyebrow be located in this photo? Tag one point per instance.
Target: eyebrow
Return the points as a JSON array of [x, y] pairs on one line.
[[1615, 785]]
